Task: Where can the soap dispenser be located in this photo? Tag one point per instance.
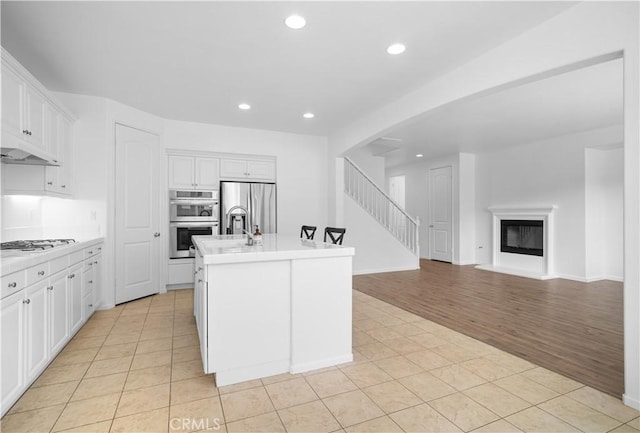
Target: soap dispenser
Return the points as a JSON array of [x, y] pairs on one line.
[[257, 237]]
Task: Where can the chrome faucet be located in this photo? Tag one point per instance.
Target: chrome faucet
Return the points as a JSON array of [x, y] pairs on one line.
[[229, 216], [249, 237]]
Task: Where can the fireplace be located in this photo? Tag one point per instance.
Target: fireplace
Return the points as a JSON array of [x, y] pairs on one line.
[[522, 237], [522, 241]]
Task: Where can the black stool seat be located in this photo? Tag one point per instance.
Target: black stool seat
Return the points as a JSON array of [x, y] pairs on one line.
[[307, 232], [336, 234]]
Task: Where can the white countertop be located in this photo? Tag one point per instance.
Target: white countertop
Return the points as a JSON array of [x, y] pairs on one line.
[[12, 263], [220, 249]]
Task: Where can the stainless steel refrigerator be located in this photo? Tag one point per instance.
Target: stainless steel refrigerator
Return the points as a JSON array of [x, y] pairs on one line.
[[243, 205]]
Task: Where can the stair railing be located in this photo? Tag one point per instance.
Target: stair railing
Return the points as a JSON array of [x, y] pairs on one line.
[[380, 206]]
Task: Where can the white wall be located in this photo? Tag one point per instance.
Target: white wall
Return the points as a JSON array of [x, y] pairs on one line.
[[301, 165], [604, 179], [373, 166], [551, 172], [562, 42], [376, 249], [463, 201]]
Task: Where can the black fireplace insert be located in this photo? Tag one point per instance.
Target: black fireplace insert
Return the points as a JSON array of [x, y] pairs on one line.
[[522, 237]]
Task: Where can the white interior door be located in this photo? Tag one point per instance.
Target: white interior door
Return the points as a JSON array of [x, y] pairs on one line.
[[441, 227], [137, 208]]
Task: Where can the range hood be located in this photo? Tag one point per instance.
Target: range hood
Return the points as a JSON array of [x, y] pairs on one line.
[[20, 156]]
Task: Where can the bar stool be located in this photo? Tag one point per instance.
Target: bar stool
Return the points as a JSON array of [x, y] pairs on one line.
[[307, 232], [332, 232]]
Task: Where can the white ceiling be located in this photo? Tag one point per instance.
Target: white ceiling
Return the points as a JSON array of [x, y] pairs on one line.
[[577, 101], [197, 60]]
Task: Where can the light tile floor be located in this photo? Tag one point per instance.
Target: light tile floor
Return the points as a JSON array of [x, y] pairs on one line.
[[136, 368]]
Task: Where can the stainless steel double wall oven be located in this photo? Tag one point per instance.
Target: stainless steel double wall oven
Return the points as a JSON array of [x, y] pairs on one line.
[[191, 213]]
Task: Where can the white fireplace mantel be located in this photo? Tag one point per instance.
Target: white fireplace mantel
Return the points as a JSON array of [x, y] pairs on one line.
[[541, 268]]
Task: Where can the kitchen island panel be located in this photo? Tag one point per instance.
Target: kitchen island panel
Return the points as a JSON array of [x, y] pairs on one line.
[[321, 313], [251, 307]]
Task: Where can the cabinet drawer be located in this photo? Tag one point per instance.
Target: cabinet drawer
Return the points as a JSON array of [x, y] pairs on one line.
[[76, 257], [88, 264], [92, 251], [37, 273], [12, 283], [57, 265]]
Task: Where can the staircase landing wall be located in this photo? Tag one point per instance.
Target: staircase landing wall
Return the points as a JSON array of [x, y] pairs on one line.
[[376, 249]]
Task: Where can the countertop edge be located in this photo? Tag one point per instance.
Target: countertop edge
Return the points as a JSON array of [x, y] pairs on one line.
[[16, 264], [264, 256]]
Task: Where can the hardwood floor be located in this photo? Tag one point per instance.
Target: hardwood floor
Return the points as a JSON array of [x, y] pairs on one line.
[[573, 328]]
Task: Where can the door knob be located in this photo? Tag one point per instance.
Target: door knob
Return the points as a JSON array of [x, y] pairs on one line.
[[156, 235]]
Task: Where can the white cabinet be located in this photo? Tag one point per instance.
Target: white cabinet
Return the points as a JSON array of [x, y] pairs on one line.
[[75, 297], [58, 312], [200, 299], [25, 351], [34, 122], [23, 112], [42, 307], [12, 311], [189, 172], [90, 279], [180, 272], [37, 343], [247, 169], [12, 109], [58, 179]]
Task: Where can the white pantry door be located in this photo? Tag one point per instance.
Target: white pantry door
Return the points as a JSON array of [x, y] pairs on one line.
[[441, 227], [137, 205]]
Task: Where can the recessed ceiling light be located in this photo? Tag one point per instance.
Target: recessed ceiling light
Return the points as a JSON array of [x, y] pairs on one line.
[[396, 49], [244, 106], [295, 22], [308, 115], [419, 155]]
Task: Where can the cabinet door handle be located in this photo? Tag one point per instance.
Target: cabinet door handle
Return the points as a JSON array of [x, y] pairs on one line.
[[199, 281], [24, 131], [30, 133], [95, 263], [64, 186], [49, 183], [90, 252], [41, 273], [26, 301], [71, 276], [12, 285], [91, 305], [156, 235], [50, 288], [99, 249], [90, 281]]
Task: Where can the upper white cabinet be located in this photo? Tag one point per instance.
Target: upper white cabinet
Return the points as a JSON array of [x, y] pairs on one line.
[[189, 172], [34, 122], [59, 179], [23, 111], [247, 169]]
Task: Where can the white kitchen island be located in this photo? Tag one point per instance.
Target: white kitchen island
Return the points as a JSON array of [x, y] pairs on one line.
[[281, 307]]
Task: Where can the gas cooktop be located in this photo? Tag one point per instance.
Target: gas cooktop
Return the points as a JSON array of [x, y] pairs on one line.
[[35, 245]]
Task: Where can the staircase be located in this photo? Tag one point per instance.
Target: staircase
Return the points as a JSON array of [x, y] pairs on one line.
[[381, 207]]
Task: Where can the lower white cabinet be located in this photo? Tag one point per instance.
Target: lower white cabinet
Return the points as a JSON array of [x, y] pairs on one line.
[[36, 329], [58, 312], [75, 295], [38, 320], [12, 355]]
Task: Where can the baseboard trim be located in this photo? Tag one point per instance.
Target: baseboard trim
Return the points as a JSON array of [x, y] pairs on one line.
[[379, 271], [631, 402]]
